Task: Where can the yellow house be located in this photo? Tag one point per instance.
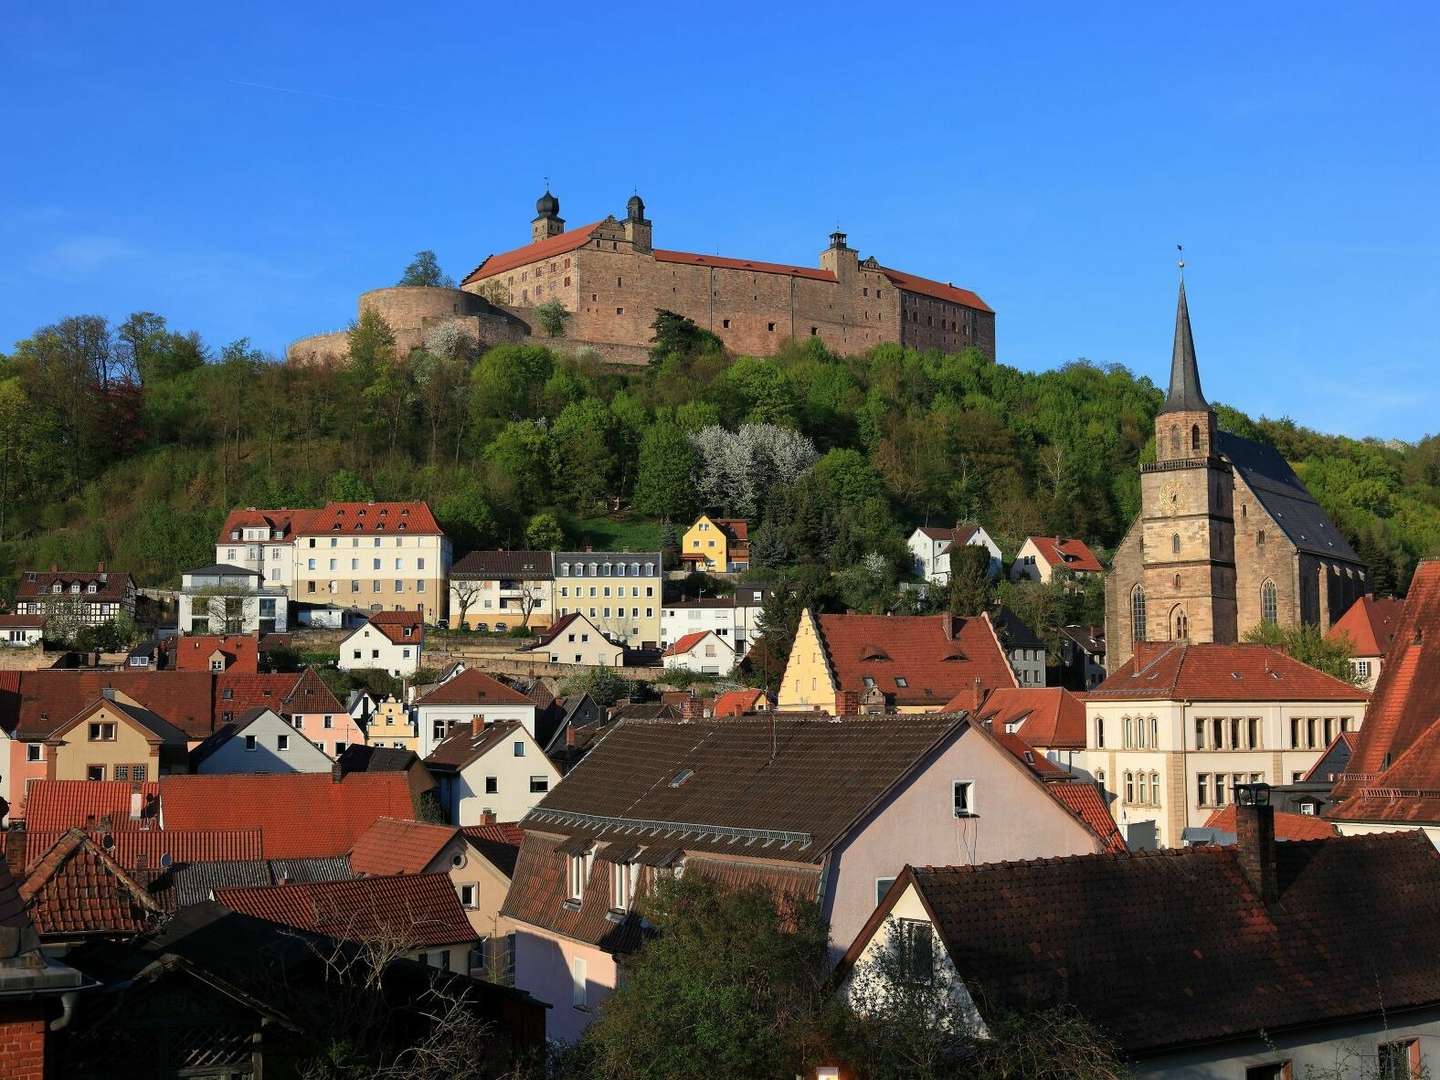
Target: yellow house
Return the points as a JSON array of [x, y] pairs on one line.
[[717, 545], [391, 726], [115, 738]]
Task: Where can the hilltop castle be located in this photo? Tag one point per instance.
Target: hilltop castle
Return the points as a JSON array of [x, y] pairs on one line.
[[612, 280]]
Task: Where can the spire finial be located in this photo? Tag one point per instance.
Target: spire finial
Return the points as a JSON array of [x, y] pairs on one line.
[[1181, 249]]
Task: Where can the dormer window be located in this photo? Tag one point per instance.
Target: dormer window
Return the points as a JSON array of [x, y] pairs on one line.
[[75, 588], [90, 588], [620, 887], [578, 872]]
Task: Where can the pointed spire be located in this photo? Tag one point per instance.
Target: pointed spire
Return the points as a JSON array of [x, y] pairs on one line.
[[1185, 395]]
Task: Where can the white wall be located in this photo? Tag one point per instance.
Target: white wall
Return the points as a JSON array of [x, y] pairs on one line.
[[465, 796], [367, 647], [679, 620], [709, 655], [428, 715], [267, 757]]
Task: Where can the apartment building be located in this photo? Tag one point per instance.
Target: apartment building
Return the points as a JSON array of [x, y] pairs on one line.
[[618, 591]]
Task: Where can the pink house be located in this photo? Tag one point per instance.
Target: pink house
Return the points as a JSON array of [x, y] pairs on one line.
[[303, 699], [812, 808]]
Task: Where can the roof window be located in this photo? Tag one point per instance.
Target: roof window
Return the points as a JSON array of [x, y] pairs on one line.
[[681, 776]]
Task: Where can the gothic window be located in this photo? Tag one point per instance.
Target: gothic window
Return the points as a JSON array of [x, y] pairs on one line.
[[1179, 624], [1175, 442], [1195, 437], [1177, 581], [1137, 613], [1269, 608], [1175, 544]]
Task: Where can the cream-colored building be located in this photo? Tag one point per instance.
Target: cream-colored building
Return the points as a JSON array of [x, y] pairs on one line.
[[115, 738], [574, 639], [500, 590], [618, 591], [392, 725], [1170, 734]]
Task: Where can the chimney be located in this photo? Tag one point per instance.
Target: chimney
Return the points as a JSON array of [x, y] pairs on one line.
[[690, 708], [336, 772], [487, 817], [1255, 839], [570, 736], [847, 703], [100, 568], [477, 725], [947, 621]]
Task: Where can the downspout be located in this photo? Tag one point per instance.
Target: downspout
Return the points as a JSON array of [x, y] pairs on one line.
[[67, 1013]]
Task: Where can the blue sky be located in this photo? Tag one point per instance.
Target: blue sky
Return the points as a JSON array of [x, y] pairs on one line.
[[248, 171]]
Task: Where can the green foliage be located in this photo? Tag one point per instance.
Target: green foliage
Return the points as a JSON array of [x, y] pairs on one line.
[[552, 317], [663, 485], [1308, 645], [605, 685], [424, 269], [969, 580], [679, 338], [544, 533]]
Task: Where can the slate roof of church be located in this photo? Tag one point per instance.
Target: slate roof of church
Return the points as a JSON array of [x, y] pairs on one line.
[[1285, 498]]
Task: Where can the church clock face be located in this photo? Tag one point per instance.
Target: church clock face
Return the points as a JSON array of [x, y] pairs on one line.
[[1170, 493]]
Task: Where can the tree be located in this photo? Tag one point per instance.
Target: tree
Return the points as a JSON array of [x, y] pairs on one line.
[[662, 481], [424, 269], [605, 685], [552, 317], [440, 385], [371, 344], [969, 579], [730, 979], [1307, 644], [679, 337], [466, 592], [509, 381], [544, 532]]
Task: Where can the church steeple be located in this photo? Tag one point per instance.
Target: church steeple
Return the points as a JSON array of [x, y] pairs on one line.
[[1185, 395]]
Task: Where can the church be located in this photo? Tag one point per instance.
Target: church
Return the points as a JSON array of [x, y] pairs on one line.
[[1227, 537]]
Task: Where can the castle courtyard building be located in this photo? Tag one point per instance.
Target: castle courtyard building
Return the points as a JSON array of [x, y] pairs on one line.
[[1227, 538]]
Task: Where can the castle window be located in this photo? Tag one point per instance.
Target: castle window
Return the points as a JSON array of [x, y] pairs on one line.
[[567, 264], [619, 311], [865, 292], [814, 330], [725, 323], [619, 283], [1269, 606], [770, 327], [1260, 537], [1175, 544], [1177, 581], [1175, 442], [567, 279], [1137, 614]]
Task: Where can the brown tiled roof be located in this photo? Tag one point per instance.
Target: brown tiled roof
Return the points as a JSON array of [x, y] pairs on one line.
[[1287, 826], [1048, 716], [558, 627], [300, 815], [287, 522], [1370, 624], [23, 622], [56, 805], [537, 896], [155, 848], [499, 842], [310, 695], [532, 252], [1208, 672], [473, 687], [237, 692], [935, 665], [1066, 553], [75, 888], [110, 586], [688, 642], [393, 625], [399, 846], [463, 745], [1166, 949], [414, 910], [493, 565], [356, 518], [957, 534], [192, 652], [50, 697], [814, 273]]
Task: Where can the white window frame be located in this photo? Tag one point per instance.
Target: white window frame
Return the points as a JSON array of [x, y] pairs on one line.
[[968, 787]]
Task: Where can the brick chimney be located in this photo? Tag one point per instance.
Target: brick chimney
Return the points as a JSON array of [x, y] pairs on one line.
[[847, 703], [947, 623], [336, 772], [477, 725], [1255, 839], [487, 817], [570, 736], [691, 708]]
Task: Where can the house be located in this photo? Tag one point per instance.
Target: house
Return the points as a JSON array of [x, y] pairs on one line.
[[75, 889], [1368, 628], [239, 653], [908, 663], [224, 599], [301, 698], [716, 545], [391, 725], [82, 597], [735, 800], [740, 702], [500, 590], [469, 695], [260, 741], [574, 639], [1041, 557], [1082, 657], [580, 718], [703, 651], [389, 641], [376, 759], [1049, 720], [417, 915], [1023, 647], [930, 549], [20, 631], [262, 541], [1393, 775], [114, 737], [681, 617], [749, 601], [490, 771], [478, 875], [618, 591], [1175, 729], [1213, 962]]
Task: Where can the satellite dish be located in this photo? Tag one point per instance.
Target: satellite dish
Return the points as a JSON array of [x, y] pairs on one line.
[[166, 861]]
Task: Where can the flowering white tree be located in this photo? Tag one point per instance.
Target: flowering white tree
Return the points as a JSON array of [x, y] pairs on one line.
[[736, 469]]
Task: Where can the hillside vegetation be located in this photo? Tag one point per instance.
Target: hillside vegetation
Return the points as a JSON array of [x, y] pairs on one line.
[[128, 444]]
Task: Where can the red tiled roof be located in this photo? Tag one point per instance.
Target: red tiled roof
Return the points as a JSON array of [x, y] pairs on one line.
[[393, 625], [473, 687], [555, 629], [192, 651], [738, 702], [499, 842], [958, 534], [1287, 826], [936, 666], [733, 528], [1221, 673], [1033, 760], [56, 805], [287, 522], [535, 251], [28, 622], [743, 264], [148, 849], [50, 697], [1049, 716], [76, 888], [1066, 553], [300, 815], [237, 692], [1370, 624], [109, 585], [686, 643], [310, 695], [370, 517], [414, 910], [399, 846], [939, 290], [1085, 801]]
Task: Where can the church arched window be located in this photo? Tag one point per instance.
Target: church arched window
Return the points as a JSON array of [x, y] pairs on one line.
[[1175, 544], [1137, 613], [1195, 437], [1177, 581], [1269, 604], [1175, 442], [1179, 624]]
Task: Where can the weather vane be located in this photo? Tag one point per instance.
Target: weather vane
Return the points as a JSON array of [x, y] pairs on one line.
[[1181, 249]]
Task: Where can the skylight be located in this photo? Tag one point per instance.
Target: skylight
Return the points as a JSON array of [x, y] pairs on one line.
[[681, 776]]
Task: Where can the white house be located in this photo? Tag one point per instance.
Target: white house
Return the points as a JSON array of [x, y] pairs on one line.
[[490, 768], [574, 639], [260, 741], [470, 695], [704, 651], [224, 599], [21, 630], [1041, 557], [388, 641], [930, 550], [713, 613]]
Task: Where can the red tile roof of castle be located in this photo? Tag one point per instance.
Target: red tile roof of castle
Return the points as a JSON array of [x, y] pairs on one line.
[[282, 521], [686, 643], [300, 815], [939, 290], [938, 656], [415, 910], [1287, 826], [691, 259], [399, 846], [1370, 624], [56, 805], [395, 624], [535, 251], [1207, 672], [192, 652], [739, 702], [1048, 716], [51, 697], [1066, 554], [473, 687], [369, 517]]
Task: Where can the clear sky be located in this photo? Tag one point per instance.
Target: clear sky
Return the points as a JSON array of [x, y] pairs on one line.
[[248, 170]]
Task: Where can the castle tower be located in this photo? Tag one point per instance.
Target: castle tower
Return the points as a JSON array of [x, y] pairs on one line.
[[839, 258], [1187, 586], [637, 225], [548, 221]]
